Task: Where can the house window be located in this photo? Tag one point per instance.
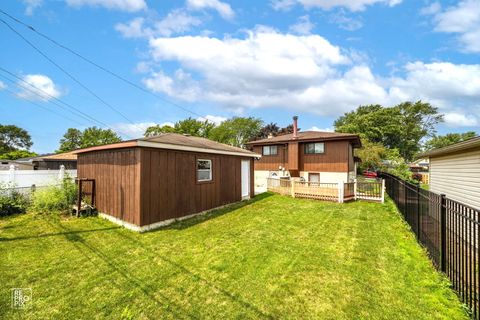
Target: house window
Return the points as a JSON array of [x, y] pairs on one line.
[[204, 170], [313, 148], [270, 150]]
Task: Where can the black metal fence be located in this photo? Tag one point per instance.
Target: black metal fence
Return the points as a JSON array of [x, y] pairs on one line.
[[449, 231]]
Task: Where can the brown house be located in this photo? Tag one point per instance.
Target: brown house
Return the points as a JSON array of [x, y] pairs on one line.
[[315, 156], [150, 182]]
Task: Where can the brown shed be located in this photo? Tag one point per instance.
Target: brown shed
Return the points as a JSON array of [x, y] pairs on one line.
[[150, 182]]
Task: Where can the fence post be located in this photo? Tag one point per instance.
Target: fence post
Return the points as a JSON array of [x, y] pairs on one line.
[[61, 173], [292, 188], [341, 187], [383, 191], [443, 233], [418, 210], [11, 176], [355, 189], [79, 200]]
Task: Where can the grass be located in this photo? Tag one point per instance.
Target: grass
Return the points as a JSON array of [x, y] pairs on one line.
[[274, 257]]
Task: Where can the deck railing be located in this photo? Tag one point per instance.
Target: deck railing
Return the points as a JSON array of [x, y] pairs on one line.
[[448, 229], [338, 192]]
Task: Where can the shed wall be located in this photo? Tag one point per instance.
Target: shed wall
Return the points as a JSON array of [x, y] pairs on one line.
[[169, 187], [117, 179], [457, 176]]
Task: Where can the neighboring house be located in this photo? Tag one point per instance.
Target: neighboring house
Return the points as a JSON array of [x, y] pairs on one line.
[[43, 162], [420, 165], [150, 182], [6, 164], [455, 171], [326, 157]]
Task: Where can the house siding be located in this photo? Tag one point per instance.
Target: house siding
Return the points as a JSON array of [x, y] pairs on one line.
[[458, 176], [334, 159]]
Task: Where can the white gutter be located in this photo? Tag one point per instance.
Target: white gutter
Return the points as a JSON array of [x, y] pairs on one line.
[[148, 144]]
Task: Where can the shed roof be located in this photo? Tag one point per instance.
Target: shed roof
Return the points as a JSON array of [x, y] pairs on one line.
[[58, 156], [310, 136], [176, 141], [468, 144]]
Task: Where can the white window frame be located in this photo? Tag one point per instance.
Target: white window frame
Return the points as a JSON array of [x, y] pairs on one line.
[[205, 170], [314, 148], [269, 148]]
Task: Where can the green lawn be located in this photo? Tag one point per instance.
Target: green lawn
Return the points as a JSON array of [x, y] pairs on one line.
[[274, 257]]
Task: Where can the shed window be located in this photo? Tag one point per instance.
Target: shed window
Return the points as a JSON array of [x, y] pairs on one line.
[[312, 148], [204, 170], [270, 150]]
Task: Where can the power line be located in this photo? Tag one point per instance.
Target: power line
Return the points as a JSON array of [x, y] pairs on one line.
[[45, 108], [67, 73], [60, 103], [112, 73]]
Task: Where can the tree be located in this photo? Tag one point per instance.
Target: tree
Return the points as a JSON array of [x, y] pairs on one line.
[[268, 129], [375, 156], [189, 126], [94, 136], [90, 137], [448, 139], [273, 129], [401, 127], [13, 138], [157, 129], [71, 140], [18, 154], [237, 131], [194, 127]]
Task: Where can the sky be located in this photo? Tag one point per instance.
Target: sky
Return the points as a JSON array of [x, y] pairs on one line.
[[213, 59]]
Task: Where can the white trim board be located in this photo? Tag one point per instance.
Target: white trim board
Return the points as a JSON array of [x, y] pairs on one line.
[[158, 145], [156, 225]]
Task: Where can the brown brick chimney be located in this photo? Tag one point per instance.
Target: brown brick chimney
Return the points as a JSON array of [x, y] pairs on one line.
[[295, 127]]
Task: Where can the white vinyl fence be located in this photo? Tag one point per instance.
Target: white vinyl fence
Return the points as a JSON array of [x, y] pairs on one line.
[[25, 179]]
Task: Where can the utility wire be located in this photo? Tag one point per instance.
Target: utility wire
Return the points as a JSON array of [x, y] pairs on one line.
[[67, 73], [45, 108], [112, 73], [57, 101]]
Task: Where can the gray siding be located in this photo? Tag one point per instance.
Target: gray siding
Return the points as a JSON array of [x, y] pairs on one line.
[[457, 176]]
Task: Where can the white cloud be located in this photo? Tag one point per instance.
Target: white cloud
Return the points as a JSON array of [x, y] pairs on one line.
[[301, 73], [31, 5], [454, 119], [136, 129], [213, 119], [224, 9], [40, 84], [352, 5], [122, 5], [303, 26], [314, 128], [433, 8], [443, 83], [463, 20], [134, 28], [341, 19], [2, 85], [175, 22]]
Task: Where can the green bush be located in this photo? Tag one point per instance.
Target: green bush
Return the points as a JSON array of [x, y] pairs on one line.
[[55, 199], [12, 201]]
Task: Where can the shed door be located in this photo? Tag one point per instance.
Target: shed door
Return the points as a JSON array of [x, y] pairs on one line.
[[245, 179]]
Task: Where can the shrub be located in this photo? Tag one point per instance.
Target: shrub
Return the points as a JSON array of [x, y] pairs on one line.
[[12, 201], [55, 199]]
